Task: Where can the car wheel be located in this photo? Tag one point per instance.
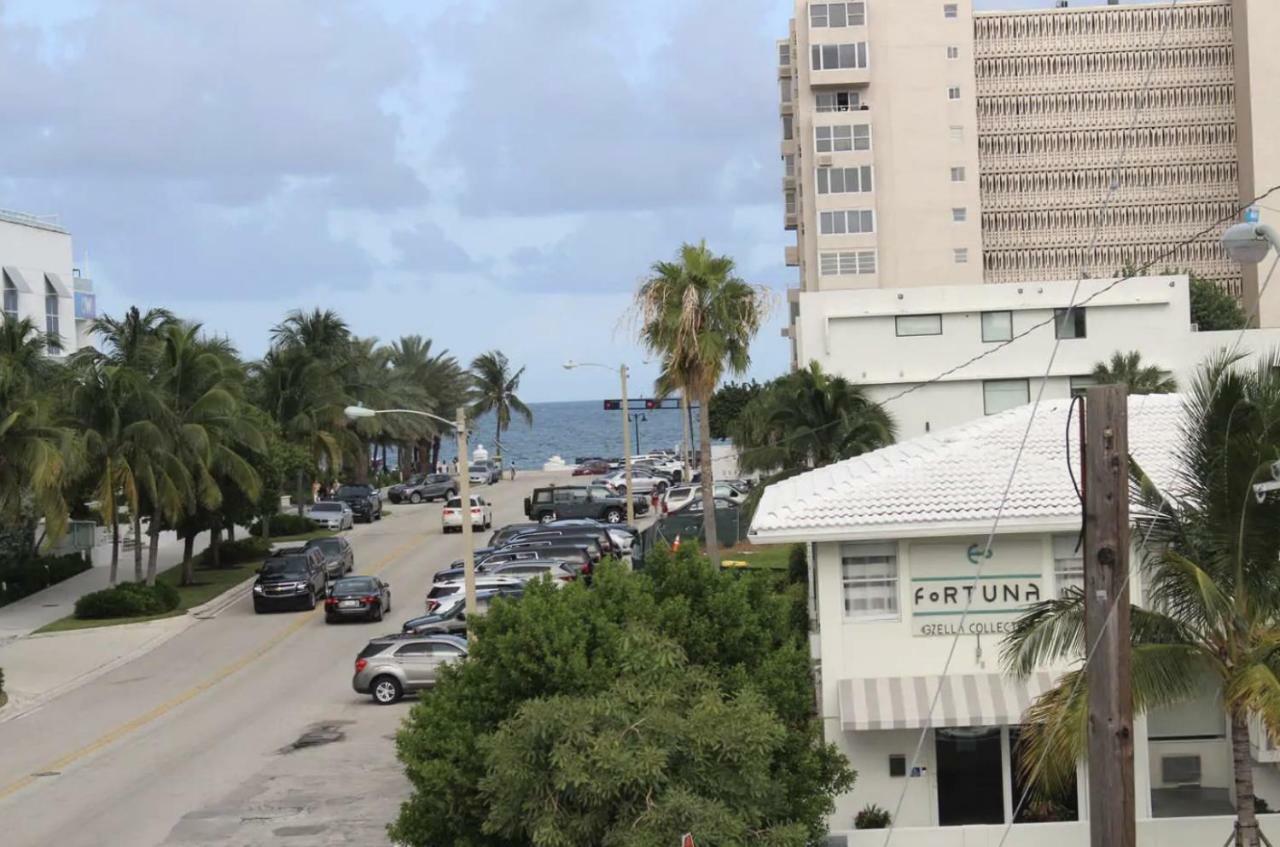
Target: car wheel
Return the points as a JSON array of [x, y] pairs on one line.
[[311, 600], [388, 604], [386, 690], [415, 498], [258, 608], [377, 613], [330, 619], [547, 517], [613, 516]]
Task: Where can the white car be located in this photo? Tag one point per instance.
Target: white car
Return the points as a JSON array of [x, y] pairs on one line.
[[444, 595], [642, 482], [331, 514], [481, 514], [680, 495], [561, 575]]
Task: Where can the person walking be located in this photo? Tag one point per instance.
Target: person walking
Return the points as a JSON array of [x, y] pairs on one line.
[[513, 469]]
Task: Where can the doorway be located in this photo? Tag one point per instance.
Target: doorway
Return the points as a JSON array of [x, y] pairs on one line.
[[970, 780]]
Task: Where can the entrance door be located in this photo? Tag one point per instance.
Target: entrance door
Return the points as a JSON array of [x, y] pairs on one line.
[[970, 785]]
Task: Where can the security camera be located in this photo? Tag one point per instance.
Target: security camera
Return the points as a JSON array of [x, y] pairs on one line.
[[1248, 243]]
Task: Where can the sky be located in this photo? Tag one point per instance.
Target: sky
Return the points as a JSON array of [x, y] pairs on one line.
[[491, 174]]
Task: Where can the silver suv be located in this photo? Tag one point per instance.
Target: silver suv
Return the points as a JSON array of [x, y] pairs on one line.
[[388, 667]]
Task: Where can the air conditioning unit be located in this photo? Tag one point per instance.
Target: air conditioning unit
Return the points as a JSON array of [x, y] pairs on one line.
[[1180, 771], [824, 161]]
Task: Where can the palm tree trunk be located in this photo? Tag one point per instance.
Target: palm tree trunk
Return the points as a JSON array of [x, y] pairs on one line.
[[231, 531], [114, 575], [266, 527], [215, 544], [435, 453], [153, 549], [686, 435], [137, 548], [189, 557], [1242, 764], [362, 464], [708, 486]]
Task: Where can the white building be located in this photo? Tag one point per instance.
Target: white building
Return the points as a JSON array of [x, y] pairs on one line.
[[41, 282], [894, 538], [890, 340]]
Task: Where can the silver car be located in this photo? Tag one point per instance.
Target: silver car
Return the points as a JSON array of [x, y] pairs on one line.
[[388, 667], [331, 514]]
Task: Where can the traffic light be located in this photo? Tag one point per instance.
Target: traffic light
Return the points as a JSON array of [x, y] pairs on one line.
[[612, 405], [650, 405]]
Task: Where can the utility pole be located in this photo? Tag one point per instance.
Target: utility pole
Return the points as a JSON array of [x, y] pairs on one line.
[[468, 546], [1106, 611]]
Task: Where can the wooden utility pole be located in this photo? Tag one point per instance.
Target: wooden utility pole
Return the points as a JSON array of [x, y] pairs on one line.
[[1106, 611]]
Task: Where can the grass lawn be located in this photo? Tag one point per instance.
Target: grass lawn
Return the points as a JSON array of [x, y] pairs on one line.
[[759, 557], [208, 584]]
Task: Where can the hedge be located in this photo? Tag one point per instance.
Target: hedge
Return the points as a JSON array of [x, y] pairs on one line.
[[128, 600], [21, 578], [251, 549], [286, 523]]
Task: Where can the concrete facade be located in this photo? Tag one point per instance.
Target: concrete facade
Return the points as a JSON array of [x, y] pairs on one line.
[[41, 282]]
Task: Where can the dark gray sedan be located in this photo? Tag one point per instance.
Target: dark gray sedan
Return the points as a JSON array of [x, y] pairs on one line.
[[339, 558], [363, 597]]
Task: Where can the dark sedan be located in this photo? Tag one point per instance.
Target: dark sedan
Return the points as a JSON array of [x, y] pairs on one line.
[[365, 597]]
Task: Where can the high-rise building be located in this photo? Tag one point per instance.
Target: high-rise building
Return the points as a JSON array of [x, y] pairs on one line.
[[926, 145], [41, 282]]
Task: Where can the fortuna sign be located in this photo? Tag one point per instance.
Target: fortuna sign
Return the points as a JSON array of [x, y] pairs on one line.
[[943, 585]]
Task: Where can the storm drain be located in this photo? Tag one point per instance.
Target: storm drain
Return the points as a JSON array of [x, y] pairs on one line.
[[317, 735]]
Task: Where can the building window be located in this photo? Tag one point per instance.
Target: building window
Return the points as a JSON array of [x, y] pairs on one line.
[[957, 174], [846, 221], [1069, 323], [831, 57], [1001, 394], [959, 214], [837, 14], [10, 299], [950, 10], [960, 255], [997, 326], [789, 165], [51, 318], [1068, 564], [953, 52], [787, 126], [953, 93], [870, 576], [784, 55], [789, 199], [1080, 384], [907, 325], [784, 90], [844, 180], [842, 139], [838, 101], [847, 263], [957, 133]]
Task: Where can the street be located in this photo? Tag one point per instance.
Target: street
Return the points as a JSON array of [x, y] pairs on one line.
[[242, 730]]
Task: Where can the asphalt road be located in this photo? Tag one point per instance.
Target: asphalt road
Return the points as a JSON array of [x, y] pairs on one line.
[[243, 730]]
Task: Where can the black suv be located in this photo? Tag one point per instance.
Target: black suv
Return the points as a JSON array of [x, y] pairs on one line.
[[364, 500], [574, 501], [291, 578], [424, 487]]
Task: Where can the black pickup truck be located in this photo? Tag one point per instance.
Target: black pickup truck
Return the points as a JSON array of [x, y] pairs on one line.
[[364, 500]]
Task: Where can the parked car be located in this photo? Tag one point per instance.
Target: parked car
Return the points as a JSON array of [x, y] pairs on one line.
[[687, 522], [574, 501], [427, 487], [441, 591], [559, 531], [484, 473], [339, 557], [643, 481], [681, 495], [481, 514], [388, 667], [568, 542], [639, 502], [558, 572], [364, 500], [508, 532], [357, 596], [452, 617], [290, 578], [330, 514], [595, 467], [577, 560]]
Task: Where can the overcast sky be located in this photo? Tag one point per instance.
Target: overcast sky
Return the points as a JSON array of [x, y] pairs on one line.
[[492, 173]]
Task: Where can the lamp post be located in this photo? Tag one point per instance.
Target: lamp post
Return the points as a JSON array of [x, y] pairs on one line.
[[1249, 243], [464, 483], [626, 430]]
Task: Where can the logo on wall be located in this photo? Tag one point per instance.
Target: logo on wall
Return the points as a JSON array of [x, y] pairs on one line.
[[975, 553], [949, 596]]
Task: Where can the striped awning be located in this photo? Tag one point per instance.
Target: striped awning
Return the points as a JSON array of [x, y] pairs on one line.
[[902, 702]]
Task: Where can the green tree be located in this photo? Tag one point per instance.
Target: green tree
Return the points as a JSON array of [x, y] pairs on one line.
[[1129, 369], [727, 404], [1212, 308], [1209, 579], [720, 642], [700, 319], [495, 385], [442, 386]]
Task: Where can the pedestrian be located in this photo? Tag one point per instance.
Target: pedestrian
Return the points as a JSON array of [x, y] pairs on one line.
[[513, 469]]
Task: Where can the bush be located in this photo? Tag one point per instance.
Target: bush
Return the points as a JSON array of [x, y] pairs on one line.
[[128, 600], [251, 549], [285, 523], [21, 578], [871, 817]]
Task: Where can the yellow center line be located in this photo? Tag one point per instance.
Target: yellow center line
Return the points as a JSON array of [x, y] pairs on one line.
[[194, 691]]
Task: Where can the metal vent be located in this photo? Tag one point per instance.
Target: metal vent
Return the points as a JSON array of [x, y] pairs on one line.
[[1180, 770]]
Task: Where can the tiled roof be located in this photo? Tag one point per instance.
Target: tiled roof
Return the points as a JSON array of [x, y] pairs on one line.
[[956, 477]]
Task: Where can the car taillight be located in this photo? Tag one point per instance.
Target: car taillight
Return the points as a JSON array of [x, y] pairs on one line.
[[432, 605], [586, 568], [567, 578], [361, 664], [475, 510], [372, 598], [331, 601]]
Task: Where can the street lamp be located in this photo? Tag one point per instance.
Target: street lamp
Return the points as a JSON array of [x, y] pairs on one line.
[[626, 430], [464, 483]]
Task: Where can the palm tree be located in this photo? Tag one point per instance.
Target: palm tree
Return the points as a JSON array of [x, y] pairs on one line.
[[495, 389], [808, 419], [700, 319], [439, 383], [322, 333], [1209, 573], [1127, 368]]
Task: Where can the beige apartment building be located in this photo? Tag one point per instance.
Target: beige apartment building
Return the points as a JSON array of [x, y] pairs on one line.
[[925, 144]]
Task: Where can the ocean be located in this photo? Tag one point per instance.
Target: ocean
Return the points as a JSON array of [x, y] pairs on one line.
[[572, 430]]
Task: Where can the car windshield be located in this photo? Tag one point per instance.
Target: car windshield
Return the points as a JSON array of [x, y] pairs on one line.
[[363, 585], [479, 469], [328, 545], [327, 507], [285, 567], [456, 502], [352, 491]]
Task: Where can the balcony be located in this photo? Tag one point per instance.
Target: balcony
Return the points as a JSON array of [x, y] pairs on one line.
[[790, 220], [792, 256], [841, 76]]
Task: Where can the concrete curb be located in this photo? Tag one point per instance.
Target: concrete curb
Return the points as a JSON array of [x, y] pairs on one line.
[[218, 604]]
